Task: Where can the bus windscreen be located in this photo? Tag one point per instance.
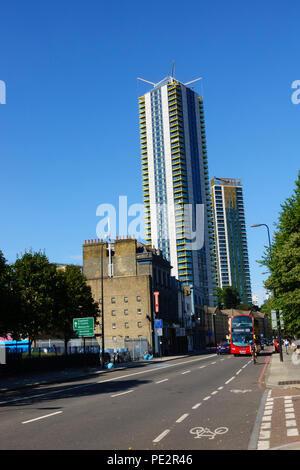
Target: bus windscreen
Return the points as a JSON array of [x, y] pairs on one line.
[[241, 330]]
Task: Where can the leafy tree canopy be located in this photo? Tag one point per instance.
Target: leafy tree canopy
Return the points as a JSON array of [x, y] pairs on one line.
[[283, 261]]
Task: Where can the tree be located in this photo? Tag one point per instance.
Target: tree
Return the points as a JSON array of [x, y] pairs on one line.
[[8, 302], [228, 297], [283, 261], [73, 299], [33, 282]]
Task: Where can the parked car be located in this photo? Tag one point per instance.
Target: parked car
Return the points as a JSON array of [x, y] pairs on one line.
[[223, 347]]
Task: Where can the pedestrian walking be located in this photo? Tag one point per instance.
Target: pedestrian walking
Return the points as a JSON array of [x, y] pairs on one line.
[[253, 351], [286, 343], [294, 346]]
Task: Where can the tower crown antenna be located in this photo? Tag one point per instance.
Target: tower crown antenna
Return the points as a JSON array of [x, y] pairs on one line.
[[173, 65], [192, 81], [147, 81]]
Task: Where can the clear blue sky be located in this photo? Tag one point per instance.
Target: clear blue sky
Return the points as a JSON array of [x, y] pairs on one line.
[[69, 134]]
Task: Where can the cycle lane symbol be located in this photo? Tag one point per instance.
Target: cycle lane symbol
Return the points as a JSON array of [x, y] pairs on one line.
[[206, 432]]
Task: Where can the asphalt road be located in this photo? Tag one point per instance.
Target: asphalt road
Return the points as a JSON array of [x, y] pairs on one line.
[[202, 402]]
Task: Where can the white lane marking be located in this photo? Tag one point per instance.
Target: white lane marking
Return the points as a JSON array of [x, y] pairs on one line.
[[229, 380], [206, 398], [161, 381], [122, 393], [263, 445], [289, 410], [41, 417], [161, 436], [182, 418], [290, 423], [266, 418], [196, 406], [202, 367], [186, 372], [238, 372], [220, 388], [213, 363], [215, 392]]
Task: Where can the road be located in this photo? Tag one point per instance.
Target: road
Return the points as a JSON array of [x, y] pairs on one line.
[[199, 402]]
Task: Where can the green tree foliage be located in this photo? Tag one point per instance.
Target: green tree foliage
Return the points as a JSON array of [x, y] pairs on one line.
[[228, 297], [283, 261], [8, 301], [33, 281], [73, 299], [37, 299]]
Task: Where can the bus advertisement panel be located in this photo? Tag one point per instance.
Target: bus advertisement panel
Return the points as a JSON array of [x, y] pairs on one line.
[[242, 333]]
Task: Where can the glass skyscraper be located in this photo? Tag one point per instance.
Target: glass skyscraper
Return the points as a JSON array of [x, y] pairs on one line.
[[175, 177], [231, 247]]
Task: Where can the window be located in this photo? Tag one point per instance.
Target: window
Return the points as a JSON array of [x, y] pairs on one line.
[[113, 312], [113, 300], [127, 337], [126, 325], [114, 325], [139, 311], [138, 298], [139, 324], [125, 311], [125, 299]]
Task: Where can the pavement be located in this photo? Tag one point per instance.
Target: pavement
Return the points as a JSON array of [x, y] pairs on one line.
[[277, 425]]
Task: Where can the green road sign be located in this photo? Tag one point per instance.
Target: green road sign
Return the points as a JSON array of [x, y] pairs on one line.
[[84, 326]]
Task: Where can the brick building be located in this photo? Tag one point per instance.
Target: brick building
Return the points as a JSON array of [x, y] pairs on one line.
[[131, 273]]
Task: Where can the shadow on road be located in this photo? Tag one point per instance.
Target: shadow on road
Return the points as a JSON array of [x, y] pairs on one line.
[[45, 394]]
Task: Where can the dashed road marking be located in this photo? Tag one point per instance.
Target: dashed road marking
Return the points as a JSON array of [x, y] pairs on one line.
[[42, 417], [228, 381], [179, 420], [196, 406], [122, 393], [162, 435]]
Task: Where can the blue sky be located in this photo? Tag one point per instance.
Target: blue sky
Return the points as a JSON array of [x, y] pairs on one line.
[[69, 134]]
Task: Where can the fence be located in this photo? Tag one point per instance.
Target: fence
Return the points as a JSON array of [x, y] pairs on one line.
[[127, 349]]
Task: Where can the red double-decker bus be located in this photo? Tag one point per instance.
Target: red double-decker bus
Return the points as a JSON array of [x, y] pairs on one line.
[[243, 330]]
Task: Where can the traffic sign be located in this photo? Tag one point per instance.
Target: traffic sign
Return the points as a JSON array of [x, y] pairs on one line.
[[84, 326], [274, 319], [158, 323]]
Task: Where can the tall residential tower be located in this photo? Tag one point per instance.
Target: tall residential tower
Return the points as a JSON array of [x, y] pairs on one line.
[[175, 177], [230, 236]]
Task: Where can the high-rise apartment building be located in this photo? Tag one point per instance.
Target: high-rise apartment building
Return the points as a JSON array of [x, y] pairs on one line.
[[175, 177], [230, 236]]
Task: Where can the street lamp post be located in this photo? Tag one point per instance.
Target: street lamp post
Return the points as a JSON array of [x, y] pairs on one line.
[[102, 309], [274, 293]]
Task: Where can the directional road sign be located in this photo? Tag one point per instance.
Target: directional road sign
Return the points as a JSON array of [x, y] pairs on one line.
[[84, 326]]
